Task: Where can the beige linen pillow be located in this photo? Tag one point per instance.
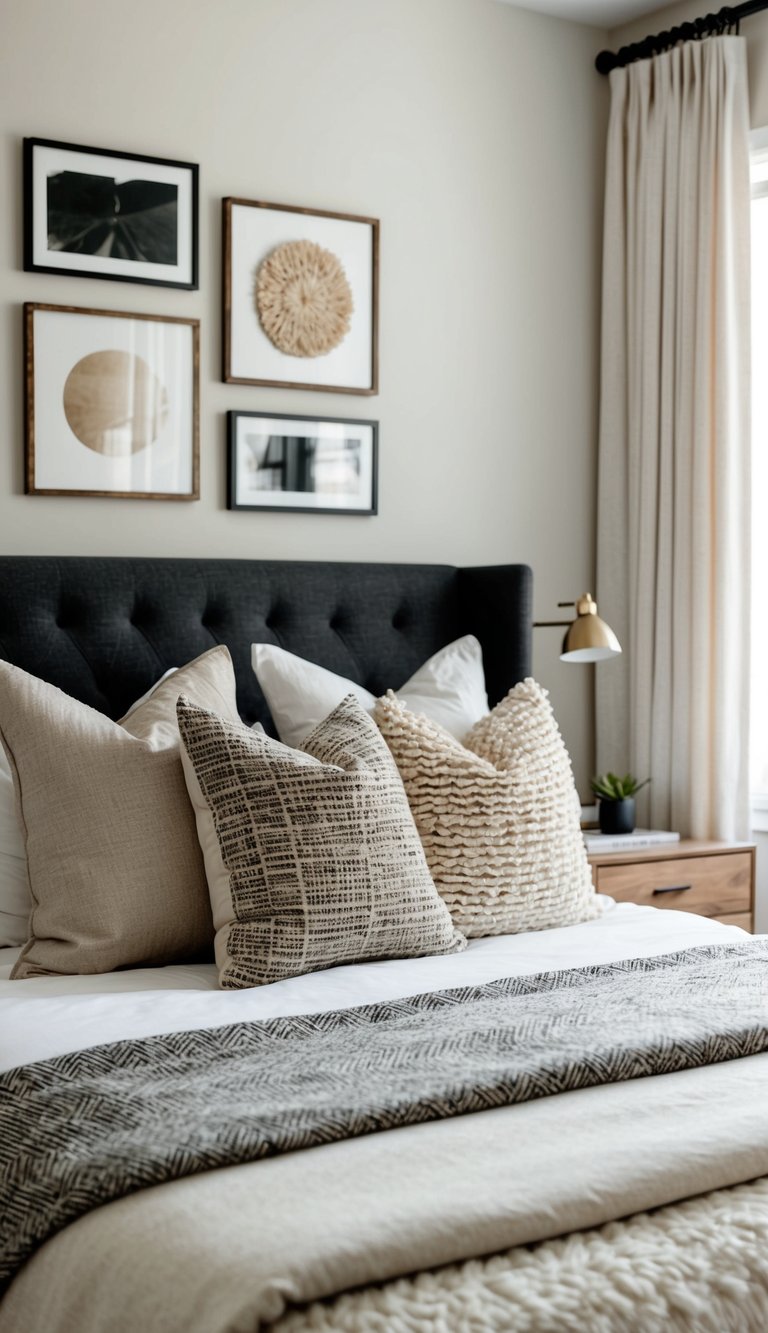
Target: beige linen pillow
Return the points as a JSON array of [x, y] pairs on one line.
[[115, 870], [311, 855], [498, 816]]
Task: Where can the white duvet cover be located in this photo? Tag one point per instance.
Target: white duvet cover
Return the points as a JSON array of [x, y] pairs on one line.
[[46, 1016], [226, 1251]]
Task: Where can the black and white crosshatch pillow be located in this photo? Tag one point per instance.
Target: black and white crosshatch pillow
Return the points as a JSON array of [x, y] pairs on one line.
[[312, 856]]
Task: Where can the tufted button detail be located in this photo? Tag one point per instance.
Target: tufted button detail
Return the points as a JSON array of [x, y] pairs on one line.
[[141, 614], [399, 620], [273, 618], [66, 616]]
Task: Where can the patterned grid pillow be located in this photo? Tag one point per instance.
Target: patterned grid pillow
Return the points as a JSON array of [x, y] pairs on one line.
[[498, 816], [311, 855]]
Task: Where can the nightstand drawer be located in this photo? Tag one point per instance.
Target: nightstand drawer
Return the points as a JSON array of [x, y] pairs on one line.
[[743, 919], [710, 885]]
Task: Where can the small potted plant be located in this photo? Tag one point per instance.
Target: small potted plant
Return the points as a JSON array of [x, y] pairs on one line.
[[617, 801]]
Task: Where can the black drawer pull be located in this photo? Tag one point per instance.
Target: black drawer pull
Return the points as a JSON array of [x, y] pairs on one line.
[[675, 888]]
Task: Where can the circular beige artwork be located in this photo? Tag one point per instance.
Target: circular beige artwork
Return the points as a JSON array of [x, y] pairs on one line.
[[303, 299], [114, 403]]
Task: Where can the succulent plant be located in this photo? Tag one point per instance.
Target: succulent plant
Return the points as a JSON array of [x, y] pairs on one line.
[[609, 787]]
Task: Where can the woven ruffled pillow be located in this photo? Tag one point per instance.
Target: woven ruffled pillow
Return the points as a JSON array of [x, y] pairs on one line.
[[498, 816]]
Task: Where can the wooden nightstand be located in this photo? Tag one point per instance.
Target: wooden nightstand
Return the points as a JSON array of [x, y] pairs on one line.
[[712, 878]]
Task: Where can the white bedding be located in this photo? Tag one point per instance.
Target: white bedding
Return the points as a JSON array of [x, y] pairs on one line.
[[47, 1016], [225, 1250]]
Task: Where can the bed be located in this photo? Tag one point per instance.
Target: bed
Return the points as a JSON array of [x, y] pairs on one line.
[[530, 1214]]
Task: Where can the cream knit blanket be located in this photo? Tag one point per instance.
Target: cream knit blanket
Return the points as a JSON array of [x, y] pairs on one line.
[[700, 1265]]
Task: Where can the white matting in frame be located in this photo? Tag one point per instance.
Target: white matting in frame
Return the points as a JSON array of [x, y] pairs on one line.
[[252, 232], [111, 404]]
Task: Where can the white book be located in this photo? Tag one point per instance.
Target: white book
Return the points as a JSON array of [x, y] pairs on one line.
[[624, 842]]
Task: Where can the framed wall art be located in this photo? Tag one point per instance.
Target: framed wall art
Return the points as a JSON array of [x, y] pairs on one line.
[[111, 404], [93, 212], [301, 464], [300, 298]]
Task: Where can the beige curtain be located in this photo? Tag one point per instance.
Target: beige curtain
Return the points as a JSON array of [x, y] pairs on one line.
[[674, 462]]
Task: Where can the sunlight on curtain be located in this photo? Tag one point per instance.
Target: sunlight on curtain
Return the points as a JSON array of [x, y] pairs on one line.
[[673, 549], [759, 693]]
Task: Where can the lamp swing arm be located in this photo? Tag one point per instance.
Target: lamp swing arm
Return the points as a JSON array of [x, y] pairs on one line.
[[554, 624]]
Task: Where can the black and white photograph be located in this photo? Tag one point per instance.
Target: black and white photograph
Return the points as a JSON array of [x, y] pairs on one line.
[[302, 464], [99, 213]]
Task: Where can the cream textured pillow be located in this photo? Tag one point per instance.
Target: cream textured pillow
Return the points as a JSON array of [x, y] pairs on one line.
[[311, 855], [115, 870], [497, 816]]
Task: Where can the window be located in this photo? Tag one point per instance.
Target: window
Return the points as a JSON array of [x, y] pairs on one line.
[[759, 702]]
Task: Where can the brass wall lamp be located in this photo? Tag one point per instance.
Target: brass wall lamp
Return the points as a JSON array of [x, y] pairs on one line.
[[587, 638]]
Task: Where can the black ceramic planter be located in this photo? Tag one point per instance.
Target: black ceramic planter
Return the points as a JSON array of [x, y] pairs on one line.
[[617, 816]]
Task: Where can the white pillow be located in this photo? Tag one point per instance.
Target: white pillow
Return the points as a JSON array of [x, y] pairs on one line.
[[448, 689], [148, 694], [15, 898]]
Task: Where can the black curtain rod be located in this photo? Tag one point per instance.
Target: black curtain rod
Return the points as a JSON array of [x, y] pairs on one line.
[[726, 20]]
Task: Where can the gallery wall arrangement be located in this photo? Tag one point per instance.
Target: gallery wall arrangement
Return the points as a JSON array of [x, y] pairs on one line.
[[112, 397]]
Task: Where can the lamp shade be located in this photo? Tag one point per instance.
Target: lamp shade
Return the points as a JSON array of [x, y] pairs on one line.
[[588, 638]]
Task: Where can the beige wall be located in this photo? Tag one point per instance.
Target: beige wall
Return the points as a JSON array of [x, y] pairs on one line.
[[475, 132]]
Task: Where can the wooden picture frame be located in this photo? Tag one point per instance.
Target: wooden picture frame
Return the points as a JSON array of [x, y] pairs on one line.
[[111, 404], [263, 341], [281, 462], [99, 213]]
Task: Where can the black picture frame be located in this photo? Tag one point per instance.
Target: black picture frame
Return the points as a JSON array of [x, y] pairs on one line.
[[362, 451], [151, 221]]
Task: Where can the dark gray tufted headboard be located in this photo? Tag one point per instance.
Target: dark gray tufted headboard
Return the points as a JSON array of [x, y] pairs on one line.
[[105, 629]]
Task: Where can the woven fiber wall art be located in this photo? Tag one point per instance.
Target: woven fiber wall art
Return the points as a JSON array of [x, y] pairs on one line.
[[303, 299]]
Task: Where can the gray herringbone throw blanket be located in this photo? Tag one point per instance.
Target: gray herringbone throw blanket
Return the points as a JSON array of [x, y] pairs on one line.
[[82, 1129]]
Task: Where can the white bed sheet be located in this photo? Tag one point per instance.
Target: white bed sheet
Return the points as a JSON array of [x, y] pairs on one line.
[[46, 1016]]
